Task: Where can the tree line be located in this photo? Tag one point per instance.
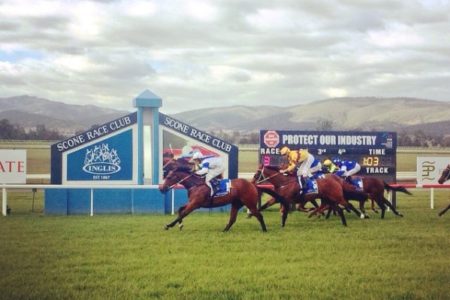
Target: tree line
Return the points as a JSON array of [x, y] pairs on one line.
[[10, 131]]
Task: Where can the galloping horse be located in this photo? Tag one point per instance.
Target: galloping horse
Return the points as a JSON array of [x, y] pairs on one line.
[[329, 190], [373, 188], [242, 193], [444, 177]]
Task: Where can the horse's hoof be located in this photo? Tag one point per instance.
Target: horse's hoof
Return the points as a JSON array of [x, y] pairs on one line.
[[181, 226], [249, 216], [366, 217], [166, 227], [400, 215], [362, 216]]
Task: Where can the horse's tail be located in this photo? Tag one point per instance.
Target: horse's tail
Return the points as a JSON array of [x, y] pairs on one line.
[[275, 195], [399, 188]]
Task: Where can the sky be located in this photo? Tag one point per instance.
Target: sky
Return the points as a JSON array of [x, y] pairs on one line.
[[199, 54]]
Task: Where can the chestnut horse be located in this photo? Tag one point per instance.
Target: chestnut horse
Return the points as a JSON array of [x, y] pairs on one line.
[[329, 190], [444, 177], [373, 188], [242, 193]]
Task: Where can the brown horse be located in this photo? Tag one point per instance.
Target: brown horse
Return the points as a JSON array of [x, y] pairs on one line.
[[242, 193], [329, 190], [444, 177], [373, 188]]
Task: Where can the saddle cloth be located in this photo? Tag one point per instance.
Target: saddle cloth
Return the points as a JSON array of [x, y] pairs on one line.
[[221, 186], [358, 183], [310, 186]]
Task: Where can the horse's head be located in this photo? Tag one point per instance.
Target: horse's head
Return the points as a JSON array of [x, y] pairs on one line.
[[445, 175], [175, 176]]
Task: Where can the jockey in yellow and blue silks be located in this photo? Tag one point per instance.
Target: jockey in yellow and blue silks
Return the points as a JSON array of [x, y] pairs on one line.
[[301, 159]]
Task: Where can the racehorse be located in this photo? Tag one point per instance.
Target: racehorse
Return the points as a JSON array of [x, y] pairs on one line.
[[444, 177], [329, 190], [373, 188], [242, 192]]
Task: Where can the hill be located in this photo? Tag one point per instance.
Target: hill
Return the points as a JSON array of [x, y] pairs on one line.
[[30, 111], [364, 113], [367, 113]]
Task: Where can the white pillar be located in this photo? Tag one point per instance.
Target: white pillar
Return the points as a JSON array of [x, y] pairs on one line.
[[4, 200], [432, 198], [92, 202]]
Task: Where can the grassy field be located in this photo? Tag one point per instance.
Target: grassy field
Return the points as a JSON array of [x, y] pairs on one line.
[[132, 257]]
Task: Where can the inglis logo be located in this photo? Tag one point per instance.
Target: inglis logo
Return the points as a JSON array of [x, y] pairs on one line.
[[101, 160]]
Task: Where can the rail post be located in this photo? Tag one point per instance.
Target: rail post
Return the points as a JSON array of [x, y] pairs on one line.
[[4, 202]]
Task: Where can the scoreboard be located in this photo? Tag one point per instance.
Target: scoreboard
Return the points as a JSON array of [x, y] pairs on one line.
[[374, 151]]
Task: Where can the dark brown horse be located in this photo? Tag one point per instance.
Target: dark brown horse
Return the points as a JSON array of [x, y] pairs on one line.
[[329, 190], [444, 177], [242, 193], [373, 188]]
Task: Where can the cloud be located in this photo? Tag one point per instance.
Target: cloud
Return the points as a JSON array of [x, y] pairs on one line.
[[197, 54]]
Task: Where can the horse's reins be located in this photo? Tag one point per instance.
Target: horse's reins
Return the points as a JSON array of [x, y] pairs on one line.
[[265, 178], [183, 179]]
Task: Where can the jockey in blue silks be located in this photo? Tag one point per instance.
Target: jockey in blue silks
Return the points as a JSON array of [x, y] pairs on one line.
[[342, 168]]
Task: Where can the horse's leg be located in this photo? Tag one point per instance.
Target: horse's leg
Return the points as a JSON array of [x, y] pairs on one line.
[[385, 201], [373, 206], [341, 214], [180, 223], [269, 203], [233, 215], [330, 210], [444, 211], [350, 206], [255, 212], [284, 214], [187, 210], [381, 205], [362, 208]]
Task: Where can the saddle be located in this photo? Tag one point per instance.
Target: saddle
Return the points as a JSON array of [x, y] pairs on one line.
[[220, 187]]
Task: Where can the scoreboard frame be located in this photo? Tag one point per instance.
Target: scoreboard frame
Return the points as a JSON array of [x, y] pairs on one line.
[[375, 151]]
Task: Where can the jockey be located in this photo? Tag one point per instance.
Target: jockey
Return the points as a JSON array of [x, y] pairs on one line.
[[330, 167], [347, 168], [301, 157], [316, 168], [211, 166]]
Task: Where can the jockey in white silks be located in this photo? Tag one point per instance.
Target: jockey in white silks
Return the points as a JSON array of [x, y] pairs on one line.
[[210, 166]]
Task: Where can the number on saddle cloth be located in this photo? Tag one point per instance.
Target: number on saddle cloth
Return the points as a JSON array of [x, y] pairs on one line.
[[310, 186], [221, 187]]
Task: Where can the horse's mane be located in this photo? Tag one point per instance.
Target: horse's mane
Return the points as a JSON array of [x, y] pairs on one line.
[[183, 169], [272, 167]]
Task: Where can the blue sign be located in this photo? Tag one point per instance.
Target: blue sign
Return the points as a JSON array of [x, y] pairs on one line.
[[109, 159]]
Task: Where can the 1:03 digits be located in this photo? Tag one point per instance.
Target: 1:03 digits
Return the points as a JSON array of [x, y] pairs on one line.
[[371, 161]]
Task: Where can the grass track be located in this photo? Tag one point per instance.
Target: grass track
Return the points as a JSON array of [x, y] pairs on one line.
[[131, 257]]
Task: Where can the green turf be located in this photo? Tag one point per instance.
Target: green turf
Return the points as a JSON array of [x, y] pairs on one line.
[[132, 257]]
